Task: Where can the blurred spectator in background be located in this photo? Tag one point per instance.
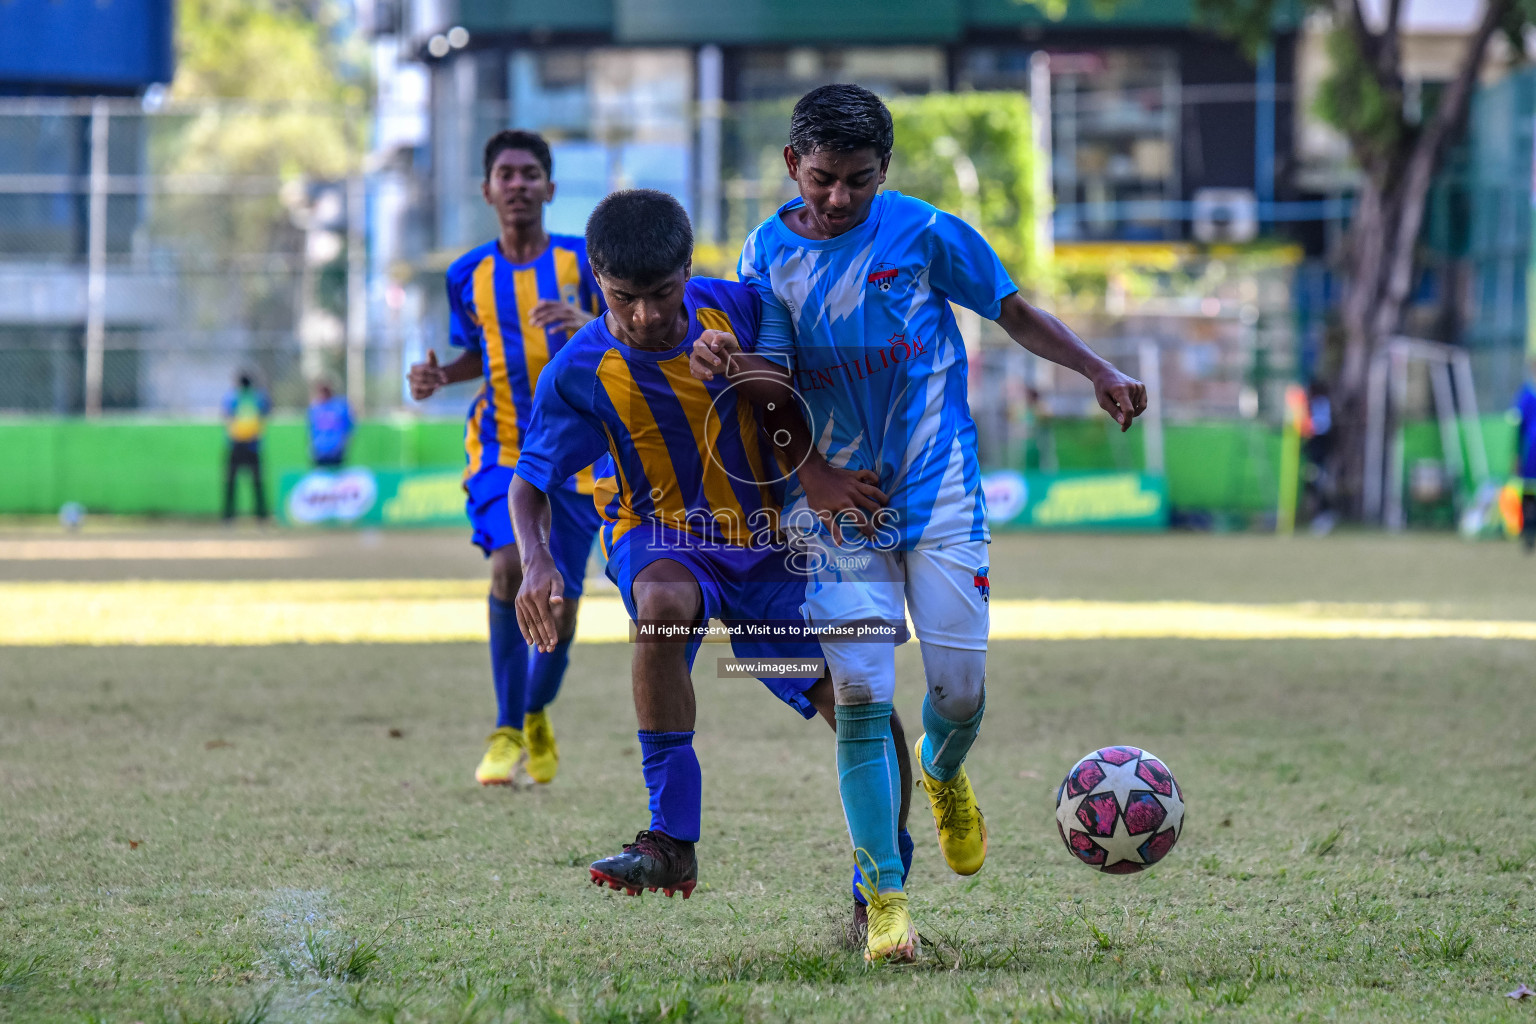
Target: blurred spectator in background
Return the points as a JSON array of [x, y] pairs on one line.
[[1317, 450], [1525, 458], [1039, 442], [330, 426], [245, 419]]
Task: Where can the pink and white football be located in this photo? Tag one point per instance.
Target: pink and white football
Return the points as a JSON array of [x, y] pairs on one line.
[[1119, 810]]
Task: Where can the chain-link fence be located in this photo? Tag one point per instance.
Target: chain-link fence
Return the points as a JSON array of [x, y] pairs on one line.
[[1219, 329], [147, 257]]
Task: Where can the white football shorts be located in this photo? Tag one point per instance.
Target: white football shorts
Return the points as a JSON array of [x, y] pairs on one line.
[[945, 590]]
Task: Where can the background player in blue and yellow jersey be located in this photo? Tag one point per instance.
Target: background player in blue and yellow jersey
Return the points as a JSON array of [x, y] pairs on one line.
[[691, 528], [512, 303]]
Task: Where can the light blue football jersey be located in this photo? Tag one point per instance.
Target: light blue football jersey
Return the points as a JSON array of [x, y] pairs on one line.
[[863, 320]]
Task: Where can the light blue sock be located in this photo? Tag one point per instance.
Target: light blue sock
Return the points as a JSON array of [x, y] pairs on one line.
[[870, 784], [546, 670], [906, 847], [948, 742]]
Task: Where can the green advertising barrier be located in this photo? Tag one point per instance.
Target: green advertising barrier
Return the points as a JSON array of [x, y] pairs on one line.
[[129, 466], [1076, 501], [358, 496]]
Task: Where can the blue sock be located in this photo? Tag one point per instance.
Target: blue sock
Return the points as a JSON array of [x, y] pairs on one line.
[[947, 742], [545, 673], [904, 846], [509, 663], [871, 788], [673, 779]]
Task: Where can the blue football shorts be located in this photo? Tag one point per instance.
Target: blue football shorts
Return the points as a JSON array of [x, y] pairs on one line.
[[740, 587], [573, 524]]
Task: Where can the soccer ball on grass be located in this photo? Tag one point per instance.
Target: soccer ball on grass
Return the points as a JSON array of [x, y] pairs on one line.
[[1119, 810]]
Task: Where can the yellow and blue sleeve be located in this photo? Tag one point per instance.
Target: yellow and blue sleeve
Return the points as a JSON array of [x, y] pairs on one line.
[[463, 327], [564, 435]]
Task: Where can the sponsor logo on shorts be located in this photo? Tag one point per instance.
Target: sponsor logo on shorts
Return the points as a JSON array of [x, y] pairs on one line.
[[983, 585]]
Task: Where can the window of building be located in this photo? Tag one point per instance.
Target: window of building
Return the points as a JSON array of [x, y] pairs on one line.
[[616, 117], [769, 74], [1114, 135], [1115, 130]]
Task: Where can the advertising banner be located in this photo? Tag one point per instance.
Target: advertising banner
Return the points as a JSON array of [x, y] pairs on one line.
[[1075, 501], [358, 496]]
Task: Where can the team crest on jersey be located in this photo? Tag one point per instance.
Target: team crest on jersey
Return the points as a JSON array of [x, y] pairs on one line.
[[883, 276], [984, 585]]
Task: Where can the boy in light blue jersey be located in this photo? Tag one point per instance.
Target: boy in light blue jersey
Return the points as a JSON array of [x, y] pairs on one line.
[[856, 288]]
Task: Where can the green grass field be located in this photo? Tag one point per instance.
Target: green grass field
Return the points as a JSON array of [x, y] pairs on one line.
[[291, 833]]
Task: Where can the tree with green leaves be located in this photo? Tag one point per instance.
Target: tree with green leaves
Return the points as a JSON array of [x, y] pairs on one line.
[[972, 153], [1397, 154], [293, 94], [268, 96]]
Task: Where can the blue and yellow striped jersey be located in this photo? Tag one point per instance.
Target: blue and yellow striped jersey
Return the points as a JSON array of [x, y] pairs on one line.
[[490, 301], [690, 454]]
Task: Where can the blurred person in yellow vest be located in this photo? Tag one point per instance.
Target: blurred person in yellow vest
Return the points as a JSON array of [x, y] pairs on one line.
[[246, 408]]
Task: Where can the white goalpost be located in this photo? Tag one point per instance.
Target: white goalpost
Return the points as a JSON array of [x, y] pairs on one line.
[[1455, 404]]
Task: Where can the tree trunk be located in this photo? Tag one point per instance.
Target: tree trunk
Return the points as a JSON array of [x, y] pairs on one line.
[[1378, 258], [1361, 272], [1378, 266]]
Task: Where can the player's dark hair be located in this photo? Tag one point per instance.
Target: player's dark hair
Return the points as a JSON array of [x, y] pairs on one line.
[[533, 142], [640, 235], [841, 118], [245, 380]]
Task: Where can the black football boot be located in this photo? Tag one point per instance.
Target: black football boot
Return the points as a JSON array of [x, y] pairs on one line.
[[653, 861]]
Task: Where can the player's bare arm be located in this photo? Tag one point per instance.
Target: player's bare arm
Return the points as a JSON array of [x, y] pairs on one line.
[[838, 496], [719, 352], [763, 381], [427, 377], [554, 313], [1120, 395], [543, 588]]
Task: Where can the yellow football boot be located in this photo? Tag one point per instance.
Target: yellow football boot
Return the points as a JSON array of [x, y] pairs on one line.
[[543, 753], [962, 830], [891, 937], [503, 751]]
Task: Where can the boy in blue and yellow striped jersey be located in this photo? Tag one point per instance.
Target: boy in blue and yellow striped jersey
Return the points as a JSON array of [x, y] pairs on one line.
[[692, 526], [513, 302]]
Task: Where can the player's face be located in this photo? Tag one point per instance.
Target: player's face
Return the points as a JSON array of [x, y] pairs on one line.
[[647, 316], [838, 188], [517, 188]]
